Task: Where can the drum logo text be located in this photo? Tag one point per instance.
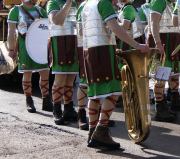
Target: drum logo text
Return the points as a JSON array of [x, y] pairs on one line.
[[43, 27]]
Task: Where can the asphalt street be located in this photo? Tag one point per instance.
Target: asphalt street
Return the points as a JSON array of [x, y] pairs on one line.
[[163, 142]]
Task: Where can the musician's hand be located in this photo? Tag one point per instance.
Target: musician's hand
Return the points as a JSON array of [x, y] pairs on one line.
[[12, 54], [142, 48], [118, 51], [160, 47]]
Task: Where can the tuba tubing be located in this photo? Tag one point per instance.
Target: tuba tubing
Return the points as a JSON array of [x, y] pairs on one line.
[[138, 64]]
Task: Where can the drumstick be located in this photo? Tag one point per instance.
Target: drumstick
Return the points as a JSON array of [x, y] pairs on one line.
[[22, 65]]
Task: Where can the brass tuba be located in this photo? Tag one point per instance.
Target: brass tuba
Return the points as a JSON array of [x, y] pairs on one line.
[[135, 85]]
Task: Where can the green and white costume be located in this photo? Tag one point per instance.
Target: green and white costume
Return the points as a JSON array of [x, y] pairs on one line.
[[96, 13], [144, 10], [67, 29], [165, 9], [23, 22]]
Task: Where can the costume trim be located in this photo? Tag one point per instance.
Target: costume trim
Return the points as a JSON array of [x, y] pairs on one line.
[[105, 95], [127, 20], [174, 15], [12, 21], [36, 70], [53, 11], [56, 72], [83, 84], [143, 21], [155, 12], [110, 17]]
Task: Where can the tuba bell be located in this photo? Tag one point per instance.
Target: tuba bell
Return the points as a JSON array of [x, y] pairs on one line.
[[135, 86]]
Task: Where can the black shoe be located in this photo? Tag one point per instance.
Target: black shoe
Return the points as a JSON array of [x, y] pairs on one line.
[[168, 96], [111, 123], [57, 114], [102, 138], [47, 104], [167, 107], [119, 102], [175, 102], [82, 122], [69, 112], [91, 130], [30, 105], [161, 113]]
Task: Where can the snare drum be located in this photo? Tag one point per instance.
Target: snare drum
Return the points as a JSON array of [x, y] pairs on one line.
[[37, 41]]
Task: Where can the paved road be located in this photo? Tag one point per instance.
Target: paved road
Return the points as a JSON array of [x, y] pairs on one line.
[[163, 142]]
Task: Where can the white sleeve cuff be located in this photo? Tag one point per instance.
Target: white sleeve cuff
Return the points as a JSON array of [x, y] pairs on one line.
[[11, 21], [155, 12], [110, 17]]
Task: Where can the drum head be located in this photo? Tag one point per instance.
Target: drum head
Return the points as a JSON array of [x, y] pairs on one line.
[[37, 41]]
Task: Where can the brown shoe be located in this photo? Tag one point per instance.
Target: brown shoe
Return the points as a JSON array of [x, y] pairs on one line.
[[175, 102], [30, 105], [91, 130], [82, 122], [101, 138]]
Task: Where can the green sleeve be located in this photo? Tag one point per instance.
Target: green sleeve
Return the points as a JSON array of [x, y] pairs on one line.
[[157, 6], [142, 16], [106, 10], [13, 15], [78, 15], [129, 13], [44, 14], [52, 5], [175, 9]]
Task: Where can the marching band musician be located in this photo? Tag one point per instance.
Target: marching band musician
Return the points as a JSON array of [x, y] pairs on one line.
[[161, 22], [175, 95], [128, 18], [82, 89], [22, 16], [98, 19], [62, 30]]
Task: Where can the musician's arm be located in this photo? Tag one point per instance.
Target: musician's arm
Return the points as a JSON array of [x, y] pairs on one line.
[[155, 19], [11, 37], [121, 33], [175, 16], [125, 24], [58, 17], [175, 21]]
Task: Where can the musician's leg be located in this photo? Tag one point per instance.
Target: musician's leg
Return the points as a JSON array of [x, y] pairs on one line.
[[101, 136], [27, 88], [57, 94], [174, 84], [93, 111], [161, 111], [82, 99], [69, 111], [110, 122], [44, 85]]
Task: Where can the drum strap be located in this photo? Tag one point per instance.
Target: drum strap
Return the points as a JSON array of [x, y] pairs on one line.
[[29, 15]]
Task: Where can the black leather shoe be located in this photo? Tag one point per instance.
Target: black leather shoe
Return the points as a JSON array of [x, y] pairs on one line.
[[47, 104], [30, 105]]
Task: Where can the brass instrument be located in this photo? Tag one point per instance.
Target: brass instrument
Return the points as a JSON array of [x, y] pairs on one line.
[[135, 84]]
